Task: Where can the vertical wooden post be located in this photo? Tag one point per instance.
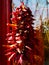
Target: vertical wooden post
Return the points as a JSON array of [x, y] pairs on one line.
[[5, 17], [0, 33]]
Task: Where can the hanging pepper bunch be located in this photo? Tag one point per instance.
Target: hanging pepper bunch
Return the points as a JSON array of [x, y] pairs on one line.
[[21, 42]]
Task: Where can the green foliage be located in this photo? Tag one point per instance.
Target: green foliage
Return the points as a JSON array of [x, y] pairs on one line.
[[46, 38]]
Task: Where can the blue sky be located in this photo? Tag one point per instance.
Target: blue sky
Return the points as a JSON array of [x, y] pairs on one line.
[[41, 9], [32, 5]]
